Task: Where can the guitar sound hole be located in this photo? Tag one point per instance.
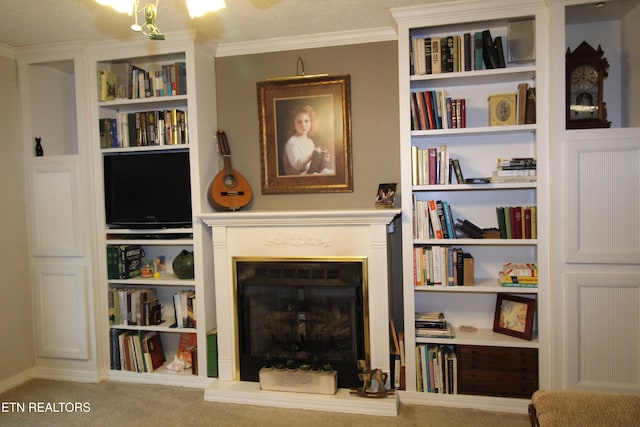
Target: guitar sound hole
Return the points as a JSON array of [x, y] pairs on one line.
[[230, 181]]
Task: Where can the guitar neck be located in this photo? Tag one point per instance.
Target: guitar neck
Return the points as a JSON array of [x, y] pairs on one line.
[[226, 158]]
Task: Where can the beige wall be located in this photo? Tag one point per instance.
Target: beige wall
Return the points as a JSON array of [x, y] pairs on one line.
[[16, 332], [374, 117]]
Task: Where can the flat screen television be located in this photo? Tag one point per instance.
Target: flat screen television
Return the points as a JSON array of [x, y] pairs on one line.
[[147, 190]]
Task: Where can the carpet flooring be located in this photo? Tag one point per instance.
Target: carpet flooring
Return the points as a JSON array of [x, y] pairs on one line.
[[58, 403]]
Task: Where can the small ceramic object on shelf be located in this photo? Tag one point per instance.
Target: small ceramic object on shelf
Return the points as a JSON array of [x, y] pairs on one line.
[[183, 265]]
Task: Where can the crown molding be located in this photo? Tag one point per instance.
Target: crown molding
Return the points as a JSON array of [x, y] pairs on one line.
[[339, 38], [7, 51]]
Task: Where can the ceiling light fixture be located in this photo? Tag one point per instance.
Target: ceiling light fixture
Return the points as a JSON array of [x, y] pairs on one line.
[[149, 10]]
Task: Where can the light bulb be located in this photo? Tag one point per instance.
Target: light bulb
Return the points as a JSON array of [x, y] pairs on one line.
[[200, 7], [122, 6]]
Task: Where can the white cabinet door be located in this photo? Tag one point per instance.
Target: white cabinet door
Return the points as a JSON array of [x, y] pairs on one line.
[[60, 303], [53, 189]]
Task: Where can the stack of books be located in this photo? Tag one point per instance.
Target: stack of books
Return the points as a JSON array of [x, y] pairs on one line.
[[520, 169], [432, 325], [523, 275]]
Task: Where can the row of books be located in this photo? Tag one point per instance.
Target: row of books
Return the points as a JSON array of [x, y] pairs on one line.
[[128, 306], [455, 53], [519, 275], [442, 266], [184, 305], [128, 81], [433, 109], [436, 369], [143, 128], [433, 166], [432, 325], [517, 222], [433, 219], [136, 351]]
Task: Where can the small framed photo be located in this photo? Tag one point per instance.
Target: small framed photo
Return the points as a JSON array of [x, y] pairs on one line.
[[386, 196], [514, 316]]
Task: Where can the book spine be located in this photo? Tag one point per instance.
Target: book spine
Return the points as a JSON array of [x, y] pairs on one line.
[[490, 54], [435, 220], [436, 65], [478, 50]]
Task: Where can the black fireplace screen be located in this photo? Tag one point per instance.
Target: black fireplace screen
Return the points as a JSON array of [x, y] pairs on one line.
[[302, 313]]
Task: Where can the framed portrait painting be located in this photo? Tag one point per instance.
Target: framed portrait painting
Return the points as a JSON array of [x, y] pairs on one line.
[[514, 316], [305, 135]]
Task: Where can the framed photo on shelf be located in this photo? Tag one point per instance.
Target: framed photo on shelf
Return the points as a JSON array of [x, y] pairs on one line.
[[305, 134], [514, 316], [386, 195]]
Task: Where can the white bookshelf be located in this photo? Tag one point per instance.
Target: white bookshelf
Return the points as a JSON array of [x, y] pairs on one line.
[[477, 146], [199, 104]]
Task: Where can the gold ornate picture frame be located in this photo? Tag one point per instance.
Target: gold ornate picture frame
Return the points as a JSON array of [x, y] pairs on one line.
[[305, 135]]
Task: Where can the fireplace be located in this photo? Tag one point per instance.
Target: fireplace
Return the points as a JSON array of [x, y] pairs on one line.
[[295, 312], [356, 235]]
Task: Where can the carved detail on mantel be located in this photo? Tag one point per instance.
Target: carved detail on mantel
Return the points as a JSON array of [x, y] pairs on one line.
[[297, 240]]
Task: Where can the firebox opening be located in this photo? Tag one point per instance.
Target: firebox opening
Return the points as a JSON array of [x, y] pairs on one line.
[[309, 312]]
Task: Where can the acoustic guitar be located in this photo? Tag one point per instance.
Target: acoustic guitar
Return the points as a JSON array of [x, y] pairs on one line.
[[229, 189]]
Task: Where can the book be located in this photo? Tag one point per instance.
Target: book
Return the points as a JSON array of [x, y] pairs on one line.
[[497, 44], [517, 281], [467, 52], [468, 278], [530, 115], [186, 344], [478, 50], [443, 219], [521, 99], [447, 332], [502, 226], [427, 55], [436, 51], [212, 353], [489, 51], [469, 229], [153, 350], [430, 315], [107, 84], [435, 220], [528, 269]]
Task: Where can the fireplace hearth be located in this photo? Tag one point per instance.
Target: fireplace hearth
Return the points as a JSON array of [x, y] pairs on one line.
[[298, 312]]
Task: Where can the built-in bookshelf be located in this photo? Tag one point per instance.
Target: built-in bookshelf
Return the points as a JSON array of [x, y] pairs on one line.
[[459, 168], [145, 104]]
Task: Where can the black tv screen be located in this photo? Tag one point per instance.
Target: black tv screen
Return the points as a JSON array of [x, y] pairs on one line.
[[148, 189]]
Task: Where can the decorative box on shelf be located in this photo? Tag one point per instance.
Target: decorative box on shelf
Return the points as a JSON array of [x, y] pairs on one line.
[[301, 381]]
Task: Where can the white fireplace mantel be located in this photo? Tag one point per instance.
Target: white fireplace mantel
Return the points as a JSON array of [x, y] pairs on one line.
[[296, 234]]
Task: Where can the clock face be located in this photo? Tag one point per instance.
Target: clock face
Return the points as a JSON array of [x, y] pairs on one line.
[[584, 93], [584, 77]]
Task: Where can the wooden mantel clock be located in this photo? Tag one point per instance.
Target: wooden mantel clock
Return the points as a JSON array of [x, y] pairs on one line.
[[586, 71]]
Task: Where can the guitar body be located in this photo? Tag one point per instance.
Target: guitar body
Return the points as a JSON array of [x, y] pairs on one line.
[[230, 191]]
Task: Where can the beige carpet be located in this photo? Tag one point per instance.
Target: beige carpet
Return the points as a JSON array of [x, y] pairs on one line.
[[120, 404]]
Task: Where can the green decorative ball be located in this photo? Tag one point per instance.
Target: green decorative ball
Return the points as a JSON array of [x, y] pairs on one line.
[[183, 265]]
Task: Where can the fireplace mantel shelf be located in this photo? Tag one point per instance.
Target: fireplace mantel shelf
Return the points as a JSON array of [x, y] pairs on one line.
[[301, 217]]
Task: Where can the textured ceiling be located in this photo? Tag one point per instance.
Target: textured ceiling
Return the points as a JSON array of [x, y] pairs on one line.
[[29, 22]]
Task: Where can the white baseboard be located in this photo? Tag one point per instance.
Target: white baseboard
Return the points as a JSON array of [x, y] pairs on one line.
[[16, 380], [65, 375]]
